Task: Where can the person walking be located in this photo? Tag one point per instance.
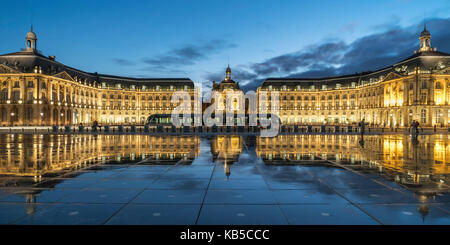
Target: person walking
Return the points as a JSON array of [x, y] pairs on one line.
[[416, 125], [413, 128], [362, 126]]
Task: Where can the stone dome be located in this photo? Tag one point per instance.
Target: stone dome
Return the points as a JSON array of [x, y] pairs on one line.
[[425, 33], [31, 35]]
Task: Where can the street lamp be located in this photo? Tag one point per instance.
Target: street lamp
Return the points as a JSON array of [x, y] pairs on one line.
[[12, 119]]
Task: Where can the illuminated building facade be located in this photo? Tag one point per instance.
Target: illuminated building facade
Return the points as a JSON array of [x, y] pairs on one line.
[[229, 90], [38, 90], [416, 88]]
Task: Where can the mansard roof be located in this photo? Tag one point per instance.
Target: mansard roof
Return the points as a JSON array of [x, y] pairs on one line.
[[27, 61], [429, 61]]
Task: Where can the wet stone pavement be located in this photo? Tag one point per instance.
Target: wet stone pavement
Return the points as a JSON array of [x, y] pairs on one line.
[[220, 187]]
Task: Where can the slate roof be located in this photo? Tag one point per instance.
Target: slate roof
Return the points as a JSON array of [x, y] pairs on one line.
[[433, 61], [26, 61]]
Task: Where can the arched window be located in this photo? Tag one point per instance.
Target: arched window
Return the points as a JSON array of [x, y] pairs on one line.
[[438, 85]]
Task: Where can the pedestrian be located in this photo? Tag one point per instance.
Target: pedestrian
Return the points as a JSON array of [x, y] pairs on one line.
[[362, 126], [417, 127]]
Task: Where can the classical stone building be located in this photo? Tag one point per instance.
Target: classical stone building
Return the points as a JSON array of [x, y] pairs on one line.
[[38, 90], [416, 88], [227, 89]]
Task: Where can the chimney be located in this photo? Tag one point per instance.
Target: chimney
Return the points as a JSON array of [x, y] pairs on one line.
[[52, 57]]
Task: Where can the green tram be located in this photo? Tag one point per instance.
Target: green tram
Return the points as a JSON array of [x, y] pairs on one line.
[[166, 119]]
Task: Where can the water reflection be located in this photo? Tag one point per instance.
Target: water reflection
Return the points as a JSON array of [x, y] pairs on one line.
[[409, 161], [419, 163], [394, 178], [39, 156]]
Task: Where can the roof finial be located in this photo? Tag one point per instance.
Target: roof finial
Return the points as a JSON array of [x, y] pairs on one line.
[[31, 27]]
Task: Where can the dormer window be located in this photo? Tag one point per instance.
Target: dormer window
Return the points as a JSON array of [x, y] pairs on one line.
[[103, 85]]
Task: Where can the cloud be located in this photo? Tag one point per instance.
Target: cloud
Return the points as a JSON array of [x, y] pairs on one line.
[[123, 62], [186, 55], [390, 44], [350, 27]]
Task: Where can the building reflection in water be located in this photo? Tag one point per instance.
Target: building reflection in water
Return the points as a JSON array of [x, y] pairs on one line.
[[38, 156], [422, 165], [227, 149], [409, 162]]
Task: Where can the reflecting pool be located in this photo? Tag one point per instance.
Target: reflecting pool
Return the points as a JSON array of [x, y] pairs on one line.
[[232, 179]]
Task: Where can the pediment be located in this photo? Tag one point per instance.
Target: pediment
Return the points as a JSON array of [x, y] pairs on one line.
[[445, 71], [64, 75], [391, 76]]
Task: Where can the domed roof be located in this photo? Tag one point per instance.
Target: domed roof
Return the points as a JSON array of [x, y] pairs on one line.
[[31, 35], [425, 32]]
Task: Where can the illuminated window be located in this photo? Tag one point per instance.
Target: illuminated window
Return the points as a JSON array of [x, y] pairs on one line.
[[423, 116], [423, 97]]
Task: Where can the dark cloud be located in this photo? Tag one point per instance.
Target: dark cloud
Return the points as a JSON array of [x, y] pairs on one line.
[[330, 53], [186, 55], [123, 62], [389, 45]]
